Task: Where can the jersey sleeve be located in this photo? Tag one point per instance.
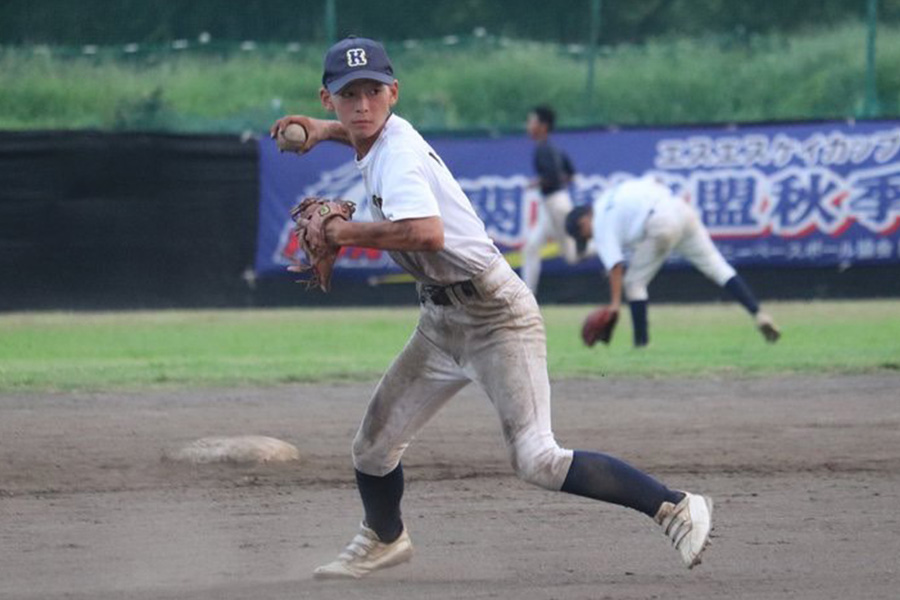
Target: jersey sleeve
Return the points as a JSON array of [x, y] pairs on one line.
[[405, 190]]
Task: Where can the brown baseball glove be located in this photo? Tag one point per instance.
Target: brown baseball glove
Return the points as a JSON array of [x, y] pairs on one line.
[[311, 216], [599, 326]]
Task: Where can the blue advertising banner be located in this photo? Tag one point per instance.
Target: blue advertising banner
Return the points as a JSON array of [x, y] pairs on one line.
[[812, 194]]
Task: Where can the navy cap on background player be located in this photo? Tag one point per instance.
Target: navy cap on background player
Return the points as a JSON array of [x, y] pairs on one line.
[[356, 58]]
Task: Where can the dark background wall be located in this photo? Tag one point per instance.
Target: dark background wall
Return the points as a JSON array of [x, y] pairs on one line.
[[93, 220], [127, 221]]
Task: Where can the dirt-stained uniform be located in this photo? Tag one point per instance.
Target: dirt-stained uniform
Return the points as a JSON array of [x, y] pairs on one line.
[[478, 322]]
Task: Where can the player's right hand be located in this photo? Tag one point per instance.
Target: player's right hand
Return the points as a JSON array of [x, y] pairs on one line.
[[315, 129]]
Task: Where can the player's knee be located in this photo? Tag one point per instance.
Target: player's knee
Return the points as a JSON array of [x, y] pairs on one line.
[[373, 458], [545, 466], [635, 291], [721, 272]]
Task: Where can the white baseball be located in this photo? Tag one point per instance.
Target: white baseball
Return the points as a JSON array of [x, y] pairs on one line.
[[291, 138]]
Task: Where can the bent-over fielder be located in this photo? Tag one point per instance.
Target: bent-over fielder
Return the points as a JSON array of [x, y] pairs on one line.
[[644, 218]]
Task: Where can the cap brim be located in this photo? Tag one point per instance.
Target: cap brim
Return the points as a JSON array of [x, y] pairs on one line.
[[338, 84]]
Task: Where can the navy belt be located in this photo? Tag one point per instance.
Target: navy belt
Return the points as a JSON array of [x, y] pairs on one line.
[[441, 295]]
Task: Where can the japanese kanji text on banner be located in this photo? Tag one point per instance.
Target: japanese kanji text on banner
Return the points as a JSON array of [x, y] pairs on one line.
[[812, 194]]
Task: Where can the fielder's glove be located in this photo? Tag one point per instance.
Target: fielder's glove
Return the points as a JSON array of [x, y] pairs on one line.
[[311, 215], [599, 325]]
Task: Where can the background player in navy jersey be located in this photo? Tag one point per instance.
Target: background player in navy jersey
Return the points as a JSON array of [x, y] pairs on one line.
[[478, 322], [554, 174]]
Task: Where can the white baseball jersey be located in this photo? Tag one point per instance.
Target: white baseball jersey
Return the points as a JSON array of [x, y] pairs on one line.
[[406, 179], [620, 214]]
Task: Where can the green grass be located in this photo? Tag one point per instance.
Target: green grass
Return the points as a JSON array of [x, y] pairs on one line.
[[101, 351], [485, 84]]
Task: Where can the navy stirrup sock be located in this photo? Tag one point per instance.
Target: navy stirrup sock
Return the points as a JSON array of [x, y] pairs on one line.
[[639, 322], [602, 477], [742, 293], [381, 501]]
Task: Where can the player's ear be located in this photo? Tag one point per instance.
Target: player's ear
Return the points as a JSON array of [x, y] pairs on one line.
[[394, 91], [325, 98]]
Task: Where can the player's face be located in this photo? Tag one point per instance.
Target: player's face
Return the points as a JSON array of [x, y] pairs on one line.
[[362, 106], [534, 127]]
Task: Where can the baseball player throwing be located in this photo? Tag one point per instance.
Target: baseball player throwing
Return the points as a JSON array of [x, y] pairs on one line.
[[645, 218], [555, 172], [478, 322]]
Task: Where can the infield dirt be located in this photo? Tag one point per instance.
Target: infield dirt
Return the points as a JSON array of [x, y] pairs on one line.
[[805, 472]]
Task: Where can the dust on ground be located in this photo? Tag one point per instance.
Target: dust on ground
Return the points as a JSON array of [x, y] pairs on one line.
[[805, 472]]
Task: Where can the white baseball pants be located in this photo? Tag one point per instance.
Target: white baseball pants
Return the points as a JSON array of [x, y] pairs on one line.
[[551, 223], [496, 339], [673, 226]]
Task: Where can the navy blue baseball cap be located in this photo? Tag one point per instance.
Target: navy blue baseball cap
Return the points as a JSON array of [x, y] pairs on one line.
[[356, 58]]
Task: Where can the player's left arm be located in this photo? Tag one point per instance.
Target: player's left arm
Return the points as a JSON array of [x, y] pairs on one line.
[[408, 235], [616, 275], [612, 255]]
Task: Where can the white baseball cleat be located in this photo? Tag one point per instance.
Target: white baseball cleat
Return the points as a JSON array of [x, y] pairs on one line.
[[767, 327], [366, 553], [688, 525]]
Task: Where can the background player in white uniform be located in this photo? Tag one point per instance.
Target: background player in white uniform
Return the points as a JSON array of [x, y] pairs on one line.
[[478, 322], [554, 174], [644, 217]]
